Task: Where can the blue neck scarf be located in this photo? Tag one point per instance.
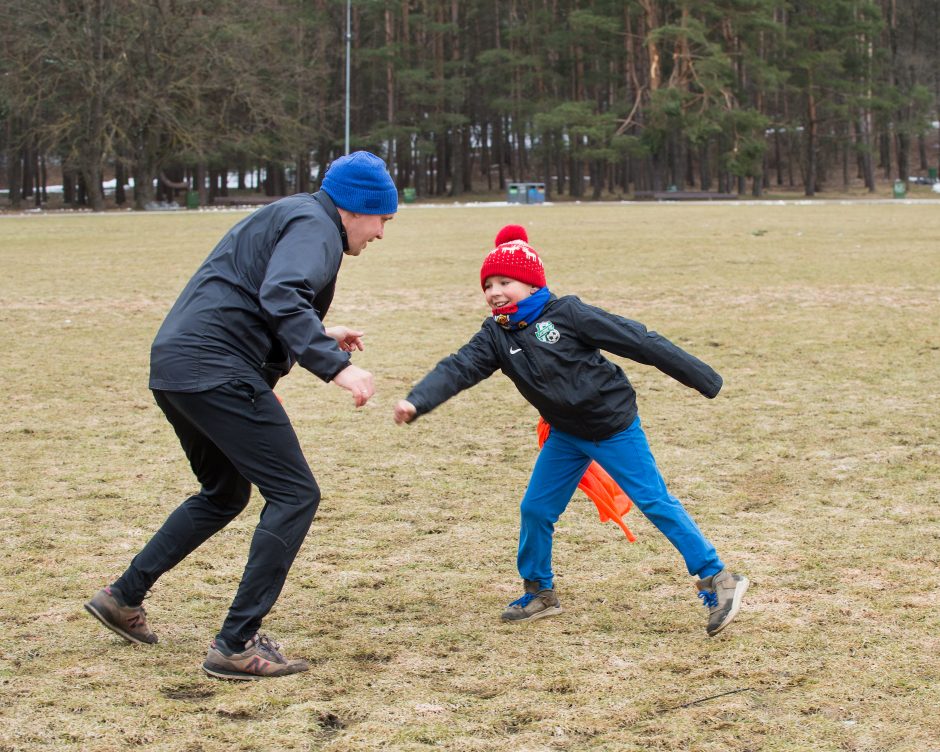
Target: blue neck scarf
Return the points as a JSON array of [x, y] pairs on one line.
[[520, 315]]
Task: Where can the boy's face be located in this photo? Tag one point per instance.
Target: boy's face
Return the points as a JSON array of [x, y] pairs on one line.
[[503, 291]]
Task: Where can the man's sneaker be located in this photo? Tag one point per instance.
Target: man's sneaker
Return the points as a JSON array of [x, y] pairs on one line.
[[260, 658], [128, 621], [722, 594], [537, 603]]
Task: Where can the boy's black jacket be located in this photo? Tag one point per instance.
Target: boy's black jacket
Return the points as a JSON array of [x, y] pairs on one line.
[[564, 375]]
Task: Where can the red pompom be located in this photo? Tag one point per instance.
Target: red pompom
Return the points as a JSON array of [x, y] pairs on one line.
[[511, 232]]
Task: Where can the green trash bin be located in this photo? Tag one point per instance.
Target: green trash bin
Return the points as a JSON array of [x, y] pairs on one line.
[[900, 189], [192, 199], [409, 195], [932, 174]]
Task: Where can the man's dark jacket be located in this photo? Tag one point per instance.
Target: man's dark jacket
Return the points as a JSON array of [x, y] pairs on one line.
[[564, 375], [255, 306]]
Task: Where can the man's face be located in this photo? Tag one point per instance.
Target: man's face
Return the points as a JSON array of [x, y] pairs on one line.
[[362, 229]]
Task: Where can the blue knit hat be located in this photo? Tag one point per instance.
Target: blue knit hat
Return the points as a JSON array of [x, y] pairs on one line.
[[360, 183]]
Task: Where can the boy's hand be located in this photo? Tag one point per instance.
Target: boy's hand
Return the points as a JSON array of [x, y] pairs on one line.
[[347, 339], [358, 381], [405, 412]]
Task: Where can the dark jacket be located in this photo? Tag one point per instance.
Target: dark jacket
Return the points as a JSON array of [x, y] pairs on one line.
[[255, 306], [557, 365]]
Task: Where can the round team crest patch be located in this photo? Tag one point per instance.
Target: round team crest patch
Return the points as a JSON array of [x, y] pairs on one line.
[[545, 331]]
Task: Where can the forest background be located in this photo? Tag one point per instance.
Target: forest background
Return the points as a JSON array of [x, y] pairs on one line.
[[595, 98]]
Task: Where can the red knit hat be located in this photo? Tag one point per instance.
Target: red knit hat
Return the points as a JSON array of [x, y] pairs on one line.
[[516, 260]]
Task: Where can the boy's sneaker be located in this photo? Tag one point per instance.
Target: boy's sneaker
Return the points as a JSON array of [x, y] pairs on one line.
[[128, 621], [260, 658], [537, 603], [722, 594]]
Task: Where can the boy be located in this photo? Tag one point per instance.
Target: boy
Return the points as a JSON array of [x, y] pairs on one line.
[[551, 349]]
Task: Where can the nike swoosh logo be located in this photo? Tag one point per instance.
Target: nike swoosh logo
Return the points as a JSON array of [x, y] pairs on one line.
[[513, 351]]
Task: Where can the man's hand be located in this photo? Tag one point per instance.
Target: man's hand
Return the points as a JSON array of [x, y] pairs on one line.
[[357, 381], [347, 339], [405, 412]]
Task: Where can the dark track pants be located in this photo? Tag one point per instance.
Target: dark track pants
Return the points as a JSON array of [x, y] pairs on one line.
[[234, 435]]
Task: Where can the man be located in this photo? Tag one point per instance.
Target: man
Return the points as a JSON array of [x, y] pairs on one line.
[[253, 309]]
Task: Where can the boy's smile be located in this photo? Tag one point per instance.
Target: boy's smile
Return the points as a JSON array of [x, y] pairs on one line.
[[502, 291]]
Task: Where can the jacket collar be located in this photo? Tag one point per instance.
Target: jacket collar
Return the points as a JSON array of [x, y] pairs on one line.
[[327, 203], [552, 299]]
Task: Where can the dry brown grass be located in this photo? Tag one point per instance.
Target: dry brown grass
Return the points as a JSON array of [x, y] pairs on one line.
[[814, 472]]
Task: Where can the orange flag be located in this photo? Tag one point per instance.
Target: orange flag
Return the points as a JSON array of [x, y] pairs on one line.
[[611, 502]]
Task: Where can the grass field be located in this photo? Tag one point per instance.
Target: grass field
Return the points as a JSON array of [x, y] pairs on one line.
[[815, 472]]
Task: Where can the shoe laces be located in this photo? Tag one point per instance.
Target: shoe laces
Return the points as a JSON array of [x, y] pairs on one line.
[[268, 645], [524, 601], [140, 608], [709, 598]]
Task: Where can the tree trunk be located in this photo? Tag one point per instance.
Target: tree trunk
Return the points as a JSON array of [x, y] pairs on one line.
[[456, 183], [81, 191], [68, 186], [143, 187], [576, 177], [37, 179], [884, 154], [704, 168], [199, 183], [15, 179], [845, 164], [865, 148], [120, 178], [26, 163], [547, 165], [809, 179], [303, 173], [674, 160], [44, 179], [656, 162], [597, 179], [904, 155], [92, 177]]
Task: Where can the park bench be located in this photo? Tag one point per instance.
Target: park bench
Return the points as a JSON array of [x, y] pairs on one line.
[[682, 196], [253, 200]]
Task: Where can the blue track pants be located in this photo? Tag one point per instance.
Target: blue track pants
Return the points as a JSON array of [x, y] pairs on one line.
[[627, 458]]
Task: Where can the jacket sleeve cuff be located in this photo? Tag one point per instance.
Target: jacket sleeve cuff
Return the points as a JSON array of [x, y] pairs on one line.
[[714, 387], [342, 366]]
